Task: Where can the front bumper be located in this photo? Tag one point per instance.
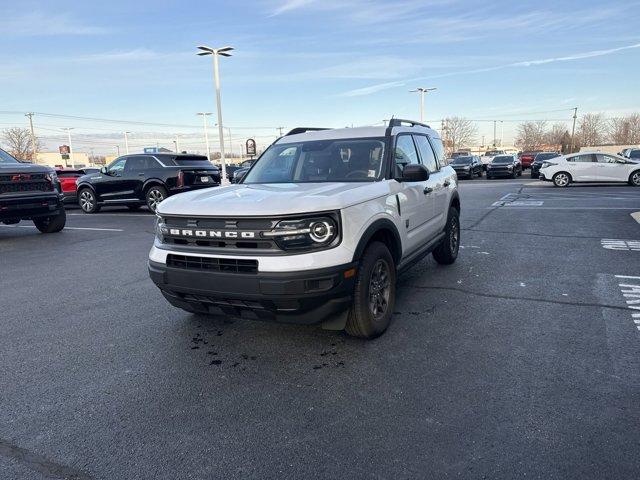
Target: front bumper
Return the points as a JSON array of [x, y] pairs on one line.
[[27, 206], [499, 173], [463, 173], [306, 297]]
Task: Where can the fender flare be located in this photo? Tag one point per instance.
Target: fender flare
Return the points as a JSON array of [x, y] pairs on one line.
[[455, 198], [153, 181], [378, 225]]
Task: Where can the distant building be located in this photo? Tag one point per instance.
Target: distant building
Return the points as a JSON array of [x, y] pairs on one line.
[[54, 159]]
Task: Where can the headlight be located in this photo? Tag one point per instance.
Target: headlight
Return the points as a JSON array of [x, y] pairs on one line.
[[305, 234], [161, 228], [510, 167], [467, 167]]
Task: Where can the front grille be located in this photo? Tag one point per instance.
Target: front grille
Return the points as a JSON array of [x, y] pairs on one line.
[[240, 245], [36, 183], [226, 265]]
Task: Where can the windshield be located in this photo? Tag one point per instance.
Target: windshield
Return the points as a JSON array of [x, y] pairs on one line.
[[634, 154], [545, 156], [462, 161], [6, 158], [503, 159], [339, 160], [491, 153]]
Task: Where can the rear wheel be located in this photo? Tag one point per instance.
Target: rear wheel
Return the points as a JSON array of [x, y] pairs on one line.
[[634, 178], [88, 201], [374, 293], [447, 251], [51, 224], [154, 196], [561, 179]]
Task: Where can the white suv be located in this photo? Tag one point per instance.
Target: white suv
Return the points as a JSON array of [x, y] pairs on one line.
[[590, 167], [316, 232]]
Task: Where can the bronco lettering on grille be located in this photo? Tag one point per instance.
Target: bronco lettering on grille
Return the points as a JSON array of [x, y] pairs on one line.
[[188, 232]]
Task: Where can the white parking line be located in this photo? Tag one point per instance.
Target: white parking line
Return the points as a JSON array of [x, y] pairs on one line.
[[69, 228], [121, 215], [626, 245], [630, 290], [569, 208]]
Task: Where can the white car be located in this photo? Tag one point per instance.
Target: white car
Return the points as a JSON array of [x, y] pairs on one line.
[[488, 156], [590, 167], [315, 232]]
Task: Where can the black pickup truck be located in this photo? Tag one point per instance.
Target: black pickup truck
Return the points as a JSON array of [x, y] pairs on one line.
[[30, 192], [145, 179]]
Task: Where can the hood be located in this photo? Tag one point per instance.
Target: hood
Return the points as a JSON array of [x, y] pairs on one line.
[[24, 168], [271, 199]]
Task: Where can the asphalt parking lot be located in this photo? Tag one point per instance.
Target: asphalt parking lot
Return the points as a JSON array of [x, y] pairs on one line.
[[520, 360]]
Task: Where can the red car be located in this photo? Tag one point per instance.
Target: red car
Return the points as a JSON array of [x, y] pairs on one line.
[[527, 158], [68, 179]]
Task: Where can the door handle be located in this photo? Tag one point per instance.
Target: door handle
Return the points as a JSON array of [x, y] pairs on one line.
[[447, 183], [427, 190]]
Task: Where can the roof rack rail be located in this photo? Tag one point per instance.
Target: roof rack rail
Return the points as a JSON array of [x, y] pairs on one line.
[[298, 130], [398, 122]]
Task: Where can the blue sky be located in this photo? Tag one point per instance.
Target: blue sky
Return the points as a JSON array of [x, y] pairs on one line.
[[324, 62]]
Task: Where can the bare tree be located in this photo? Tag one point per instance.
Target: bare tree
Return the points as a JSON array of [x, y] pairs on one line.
[[556, 134], [592, 129], [625, 130], [19, 143], [531, 135], [460, 133]]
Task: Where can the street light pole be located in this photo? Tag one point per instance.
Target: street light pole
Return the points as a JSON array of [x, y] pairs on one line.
[[573, 130], [126, 143], [422, 91], [71, 153], [215, 52], [206, 134]]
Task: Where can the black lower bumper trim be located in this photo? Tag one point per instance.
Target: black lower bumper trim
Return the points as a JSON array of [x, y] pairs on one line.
[[30, 206], [294, 297]]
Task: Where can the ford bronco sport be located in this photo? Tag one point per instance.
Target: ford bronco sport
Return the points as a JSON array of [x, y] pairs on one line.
[[317, 230]]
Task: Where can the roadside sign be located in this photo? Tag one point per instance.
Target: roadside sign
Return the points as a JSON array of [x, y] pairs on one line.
[[251, 147], [64, 150]]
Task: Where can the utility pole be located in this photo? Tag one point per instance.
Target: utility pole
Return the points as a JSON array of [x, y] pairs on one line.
[[126, 143], [501, 134], [280, 128], [118, 150], [573, 130], [34, 146], [206, 134], [176, 142], [71, 152]]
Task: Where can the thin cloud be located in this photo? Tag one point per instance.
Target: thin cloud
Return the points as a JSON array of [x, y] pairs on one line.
[[35, 24], [290, 5], [528, 63]]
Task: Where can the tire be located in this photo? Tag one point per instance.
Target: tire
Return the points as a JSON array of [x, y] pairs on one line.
[[133, 208], [88, 201], [534, 176], [154, 196], [480, 173], [371, 311], [561, 179], [489, 177], [470, 175], [514, 174], [51, 224], [447, 252], [634, 178]]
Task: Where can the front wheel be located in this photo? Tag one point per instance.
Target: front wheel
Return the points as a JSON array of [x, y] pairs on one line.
[[154, 196], [51, 224], [561, 179], [447, 252], [634, 178], [374, 293], [88, 201]]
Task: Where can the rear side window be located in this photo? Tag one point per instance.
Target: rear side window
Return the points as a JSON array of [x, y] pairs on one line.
[[438, 149], [634, 154], [426, 153]]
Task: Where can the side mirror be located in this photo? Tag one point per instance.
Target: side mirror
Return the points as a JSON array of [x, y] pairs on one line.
[[104, 170], [414, 173]]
